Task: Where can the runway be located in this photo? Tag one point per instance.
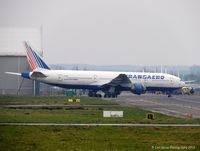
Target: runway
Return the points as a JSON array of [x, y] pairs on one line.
[[99, 124], [177, 105], [55, 106]]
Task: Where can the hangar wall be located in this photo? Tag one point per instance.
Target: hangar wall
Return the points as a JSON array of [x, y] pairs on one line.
[[10, 84], [13, 59]]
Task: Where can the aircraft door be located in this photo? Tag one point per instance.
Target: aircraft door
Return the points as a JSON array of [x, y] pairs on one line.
[[171, 81], [145, 81], [95, 77], [60, 77]]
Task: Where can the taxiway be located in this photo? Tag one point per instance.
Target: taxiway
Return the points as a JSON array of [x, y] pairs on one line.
[[177, 105]]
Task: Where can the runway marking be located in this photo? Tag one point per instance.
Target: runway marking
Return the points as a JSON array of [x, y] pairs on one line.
[[57, 105], [187, 101], [172, 111], [99, 124], [177, 106], [161, 104], [179, 114]]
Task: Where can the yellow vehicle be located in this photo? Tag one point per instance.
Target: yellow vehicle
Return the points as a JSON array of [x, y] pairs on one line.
[[77, 100]]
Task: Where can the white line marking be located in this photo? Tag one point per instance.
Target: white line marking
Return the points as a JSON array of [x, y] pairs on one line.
[[99, 124]]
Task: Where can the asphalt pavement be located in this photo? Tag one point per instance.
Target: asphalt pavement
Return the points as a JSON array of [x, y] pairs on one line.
[[177, 105]]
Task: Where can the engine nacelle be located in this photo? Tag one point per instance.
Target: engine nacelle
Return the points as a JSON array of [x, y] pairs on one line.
[[187, 90], [138, 88]]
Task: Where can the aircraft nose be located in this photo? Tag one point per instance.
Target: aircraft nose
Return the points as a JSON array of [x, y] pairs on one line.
[[182, 83]]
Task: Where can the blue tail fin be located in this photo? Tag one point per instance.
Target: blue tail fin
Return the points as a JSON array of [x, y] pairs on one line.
[[34, 59]]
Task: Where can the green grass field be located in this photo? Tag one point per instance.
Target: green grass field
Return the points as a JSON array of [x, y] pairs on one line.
[[86, 138], [68, 138], [77, 114], [131, 115], [49, 100]]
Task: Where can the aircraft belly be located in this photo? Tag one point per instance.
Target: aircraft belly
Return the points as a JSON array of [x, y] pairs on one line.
[[96, 82]]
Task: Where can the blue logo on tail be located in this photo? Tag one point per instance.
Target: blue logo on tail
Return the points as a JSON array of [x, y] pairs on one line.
[[34, 59]]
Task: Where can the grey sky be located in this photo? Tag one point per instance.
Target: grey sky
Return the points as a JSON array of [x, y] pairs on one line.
[[135, 32]]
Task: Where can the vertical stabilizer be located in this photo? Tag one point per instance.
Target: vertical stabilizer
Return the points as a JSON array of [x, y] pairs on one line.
[[34, 58]]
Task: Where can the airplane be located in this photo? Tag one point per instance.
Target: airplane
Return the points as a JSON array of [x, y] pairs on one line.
[[109, 82]]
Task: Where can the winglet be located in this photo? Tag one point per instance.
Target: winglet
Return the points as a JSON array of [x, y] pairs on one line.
[[34, 58]]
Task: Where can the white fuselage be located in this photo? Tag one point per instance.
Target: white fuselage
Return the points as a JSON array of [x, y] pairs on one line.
[[98, 78]]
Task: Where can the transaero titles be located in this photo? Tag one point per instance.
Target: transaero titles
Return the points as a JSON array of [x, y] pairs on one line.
[[139, 76]]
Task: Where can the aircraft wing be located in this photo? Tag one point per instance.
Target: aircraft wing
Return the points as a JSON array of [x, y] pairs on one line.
[[120, 80]]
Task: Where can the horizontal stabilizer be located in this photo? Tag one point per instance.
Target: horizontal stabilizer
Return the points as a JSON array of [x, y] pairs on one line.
[[13, 73]]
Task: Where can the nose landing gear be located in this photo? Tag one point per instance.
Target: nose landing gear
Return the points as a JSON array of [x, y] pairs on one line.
[[169, 95]]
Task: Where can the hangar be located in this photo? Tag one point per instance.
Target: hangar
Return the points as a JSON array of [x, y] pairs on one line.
[[13, 59]]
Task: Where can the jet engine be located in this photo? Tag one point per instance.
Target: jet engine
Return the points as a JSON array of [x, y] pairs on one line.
[[138, 88], [187, 90]]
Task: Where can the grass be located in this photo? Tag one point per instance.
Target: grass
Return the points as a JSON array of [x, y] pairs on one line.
[[131, 115], [77, 115], [23, 100], [66, 138], [89, 138]]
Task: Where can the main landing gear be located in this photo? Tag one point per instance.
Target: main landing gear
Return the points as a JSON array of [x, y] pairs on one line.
[[110, 95], [94, 94], [106, 95]]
